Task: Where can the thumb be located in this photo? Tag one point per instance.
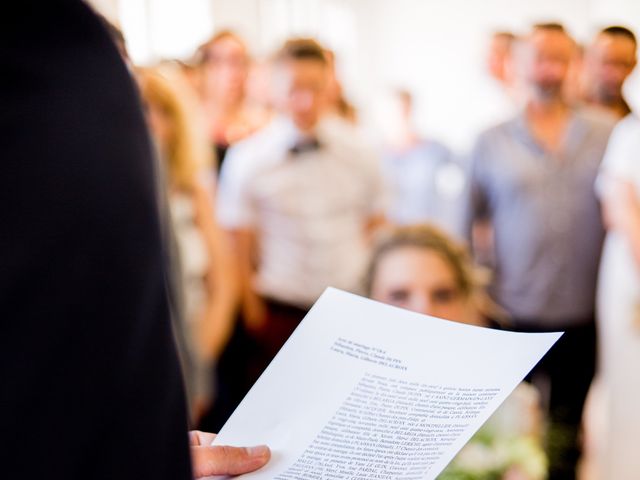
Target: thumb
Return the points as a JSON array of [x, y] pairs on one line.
[[222, 460]]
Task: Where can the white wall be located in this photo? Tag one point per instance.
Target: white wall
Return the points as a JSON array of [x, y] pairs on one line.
[[434, 47], [437, 49]]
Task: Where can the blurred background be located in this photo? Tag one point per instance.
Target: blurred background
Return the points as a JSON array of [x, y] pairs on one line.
[[436, 49], [385, 102]]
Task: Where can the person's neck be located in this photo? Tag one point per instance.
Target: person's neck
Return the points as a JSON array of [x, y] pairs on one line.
[[617, 106], [306, 131], [547, 108], [406, 140], [222, 107], [220, 117], [548, 120]]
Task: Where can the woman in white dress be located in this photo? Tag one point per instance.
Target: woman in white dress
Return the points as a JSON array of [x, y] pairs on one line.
[[619, 303]]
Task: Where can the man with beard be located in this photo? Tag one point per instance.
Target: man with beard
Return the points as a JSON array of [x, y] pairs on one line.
[[532, 179]]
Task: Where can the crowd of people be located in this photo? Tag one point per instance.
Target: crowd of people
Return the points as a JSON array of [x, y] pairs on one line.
[[301, 197], [269, 192]]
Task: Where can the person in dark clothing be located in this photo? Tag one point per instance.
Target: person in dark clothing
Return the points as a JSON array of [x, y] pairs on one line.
[[91, 385]]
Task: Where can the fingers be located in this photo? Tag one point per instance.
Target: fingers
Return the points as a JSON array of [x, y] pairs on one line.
[[194, 439], [228, 460], [198, 438]]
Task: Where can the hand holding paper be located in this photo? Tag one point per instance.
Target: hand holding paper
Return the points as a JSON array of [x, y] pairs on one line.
[[364, 390]]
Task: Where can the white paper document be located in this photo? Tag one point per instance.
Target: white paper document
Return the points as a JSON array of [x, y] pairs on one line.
[[363, 390]]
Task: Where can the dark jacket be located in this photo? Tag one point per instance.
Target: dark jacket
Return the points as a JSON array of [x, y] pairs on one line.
[[90, 385]]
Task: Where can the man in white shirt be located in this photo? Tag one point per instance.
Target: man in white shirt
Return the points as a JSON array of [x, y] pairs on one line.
[[299, 198]]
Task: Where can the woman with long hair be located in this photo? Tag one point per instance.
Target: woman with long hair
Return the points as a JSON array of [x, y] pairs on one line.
[[208, 276], [222, 69], [421, 268]]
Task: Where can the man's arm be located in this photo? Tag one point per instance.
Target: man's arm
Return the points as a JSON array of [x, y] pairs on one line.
[[621, 211], [236, 212], [618, 196], [477, 218], [246, 254], [86, 347], [222, 282]]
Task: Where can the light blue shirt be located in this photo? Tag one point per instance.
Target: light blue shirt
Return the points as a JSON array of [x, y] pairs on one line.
[[426, 185]]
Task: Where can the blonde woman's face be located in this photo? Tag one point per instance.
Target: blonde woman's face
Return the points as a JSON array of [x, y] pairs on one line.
[[420, 280], [227, 68]]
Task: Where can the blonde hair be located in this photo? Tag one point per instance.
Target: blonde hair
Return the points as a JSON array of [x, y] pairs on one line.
[[201, 55], [471, 280], [187, 151]]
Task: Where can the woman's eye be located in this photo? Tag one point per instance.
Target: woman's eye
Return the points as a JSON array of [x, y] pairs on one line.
[[398, 295], [445, 295]]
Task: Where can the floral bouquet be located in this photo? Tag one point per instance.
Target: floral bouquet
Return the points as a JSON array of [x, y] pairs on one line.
[[487, 457]]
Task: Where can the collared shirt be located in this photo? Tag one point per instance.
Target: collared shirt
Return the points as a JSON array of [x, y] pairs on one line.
[[309, 209], [546, 218]]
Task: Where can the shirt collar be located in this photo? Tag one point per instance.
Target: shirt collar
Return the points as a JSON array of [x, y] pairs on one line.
[[573, 136], [289, 135]]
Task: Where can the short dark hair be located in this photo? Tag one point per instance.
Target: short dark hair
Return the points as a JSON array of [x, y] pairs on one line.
[[619, 31], [404, 95], [551, 27], [506, 35], [302, 49]]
